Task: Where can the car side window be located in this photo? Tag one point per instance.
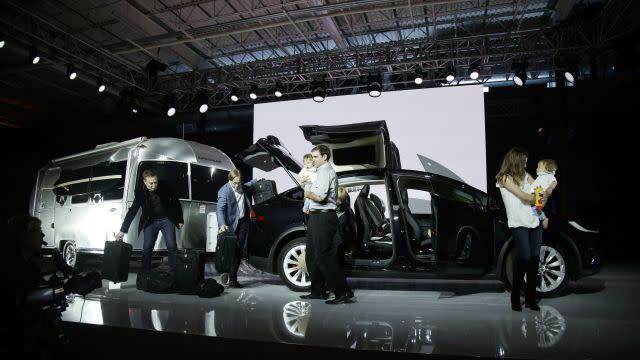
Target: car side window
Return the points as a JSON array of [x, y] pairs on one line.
[[415, 194], [453, 191]]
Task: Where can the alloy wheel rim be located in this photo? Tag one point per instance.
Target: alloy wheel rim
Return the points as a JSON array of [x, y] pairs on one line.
[[294, 266], [552, 269], [70, 254], [292, 313]]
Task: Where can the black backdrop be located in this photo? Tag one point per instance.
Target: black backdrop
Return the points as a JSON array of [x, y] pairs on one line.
[[587, 128]]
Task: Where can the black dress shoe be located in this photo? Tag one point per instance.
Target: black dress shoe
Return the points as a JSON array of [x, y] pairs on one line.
[[342, 299], [235, 284], [314, 296]]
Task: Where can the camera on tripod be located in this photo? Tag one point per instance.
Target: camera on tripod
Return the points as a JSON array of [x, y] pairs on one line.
[[51, 295]]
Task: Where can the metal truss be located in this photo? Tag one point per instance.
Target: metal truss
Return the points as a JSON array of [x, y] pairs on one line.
[[292, 43], [60, 46]]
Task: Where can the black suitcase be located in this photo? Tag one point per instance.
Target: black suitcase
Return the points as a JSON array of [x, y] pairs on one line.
[[263, 190], [227, 252], [115, 262], [189, 270], [155, 281]]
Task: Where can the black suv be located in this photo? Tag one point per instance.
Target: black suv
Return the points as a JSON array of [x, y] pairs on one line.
[[403, 223]]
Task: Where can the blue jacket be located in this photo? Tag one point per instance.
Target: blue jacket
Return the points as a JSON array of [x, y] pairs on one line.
[[227, 210]]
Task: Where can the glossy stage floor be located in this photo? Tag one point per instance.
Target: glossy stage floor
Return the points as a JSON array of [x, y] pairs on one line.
[[599, 317]]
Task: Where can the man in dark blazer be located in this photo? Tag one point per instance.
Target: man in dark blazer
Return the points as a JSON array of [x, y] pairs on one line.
[[161, 212], [232, 211]]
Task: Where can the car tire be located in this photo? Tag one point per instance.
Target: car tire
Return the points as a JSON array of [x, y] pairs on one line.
[[292, 265], [554, 270], [70, 254]]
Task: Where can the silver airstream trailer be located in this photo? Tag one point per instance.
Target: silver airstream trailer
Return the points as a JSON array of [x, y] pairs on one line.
[[82, 198]]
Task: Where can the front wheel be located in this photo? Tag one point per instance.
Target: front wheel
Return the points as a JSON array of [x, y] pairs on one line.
[[292, 265], [553, 270], [70, 253]]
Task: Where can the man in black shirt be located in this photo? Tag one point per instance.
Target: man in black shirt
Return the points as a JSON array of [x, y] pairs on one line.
[[161, 211]]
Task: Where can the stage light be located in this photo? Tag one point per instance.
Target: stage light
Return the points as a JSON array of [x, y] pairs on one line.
[[2, 41], [450, 74], [34, 55], [520, 75], [71, 72], [571, 73], [474, 73], [375, 85], [418, 77], [202, 101], [319, 91], [100, 86], [253, 92], [234, 95], [278, 90]]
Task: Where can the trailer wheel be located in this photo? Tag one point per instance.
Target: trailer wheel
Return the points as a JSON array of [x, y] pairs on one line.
[[70, 253]]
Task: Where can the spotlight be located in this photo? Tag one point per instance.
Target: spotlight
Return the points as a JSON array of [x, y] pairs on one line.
[[418, 78], [571, 73], [319, 91], [134, 109], [34, 55], [278, 90], [171, 111], [474, 73], [234, 95], [202, 101], [375, 85], [71, 72], [100, 86], [520, 75], [1, 40], [253, 93], [450, 74]]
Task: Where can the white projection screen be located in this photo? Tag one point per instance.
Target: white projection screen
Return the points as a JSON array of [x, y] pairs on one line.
[[442, 124]]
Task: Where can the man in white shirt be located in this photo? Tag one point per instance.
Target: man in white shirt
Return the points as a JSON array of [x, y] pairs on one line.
[[322, 242]]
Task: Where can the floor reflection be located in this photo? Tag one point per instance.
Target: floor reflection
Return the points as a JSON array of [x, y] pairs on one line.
[[398, 327]]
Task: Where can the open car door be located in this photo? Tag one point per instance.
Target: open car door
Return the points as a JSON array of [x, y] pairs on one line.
[[356, 147], [268, 154]]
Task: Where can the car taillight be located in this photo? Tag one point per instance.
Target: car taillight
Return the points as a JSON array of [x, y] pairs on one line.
[[252, 214], [261, 218]]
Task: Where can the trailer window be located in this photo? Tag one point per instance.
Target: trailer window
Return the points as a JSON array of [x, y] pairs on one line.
[[170, 173], [108, 180], [206, 181]]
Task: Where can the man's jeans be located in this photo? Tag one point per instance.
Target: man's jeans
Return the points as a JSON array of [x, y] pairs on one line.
[[151, 234]]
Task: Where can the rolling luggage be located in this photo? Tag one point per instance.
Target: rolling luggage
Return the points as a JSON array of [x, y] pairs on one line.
[[263, 190], [115, 262], [227, 252], [189, 270]]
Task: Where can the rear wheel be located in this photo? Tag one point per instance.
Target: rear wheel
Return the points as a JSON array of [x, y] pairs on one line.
[[70, 253], [553, 270], [292, 265]]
